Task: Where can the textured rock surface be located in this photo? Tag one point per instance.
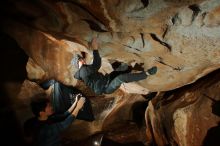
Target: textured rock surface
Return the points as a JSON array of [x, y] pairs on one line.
[[184, 117], [180, 37]]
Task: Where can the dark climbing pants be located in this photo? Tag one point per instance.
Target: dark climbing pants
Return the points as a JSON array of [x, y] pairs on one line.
[[116, 80]]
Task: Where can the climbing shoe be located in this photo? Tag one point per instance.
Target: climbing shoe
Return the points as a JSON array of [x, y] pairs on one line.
[[152, 71]]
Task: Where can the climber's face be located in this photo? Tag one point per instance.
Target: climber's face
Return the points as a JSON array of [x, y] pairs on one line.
[[81, 62], [49, 109]]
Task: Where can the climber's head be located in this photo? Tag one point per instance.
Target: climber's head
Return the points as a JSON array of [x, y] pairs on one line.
[[78, 61]]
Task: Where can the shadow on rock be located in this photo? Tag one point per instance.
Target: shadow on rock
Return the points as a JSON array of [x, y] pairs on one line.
[[212, 136]]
